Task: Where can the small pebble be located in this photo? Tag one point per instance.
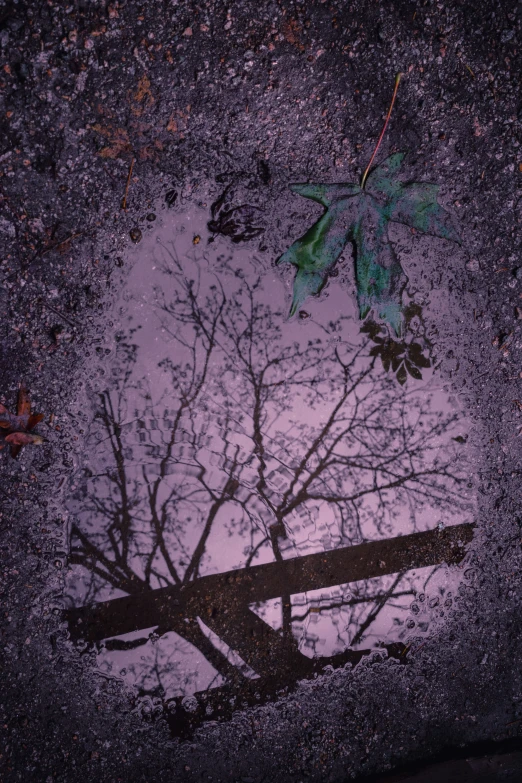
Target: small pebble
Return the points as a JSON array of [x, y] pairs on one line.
[[135, 234]]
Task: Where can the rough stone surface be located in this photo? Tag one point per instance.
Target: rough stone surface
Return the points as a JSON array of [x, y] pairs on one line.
[[190, 91]]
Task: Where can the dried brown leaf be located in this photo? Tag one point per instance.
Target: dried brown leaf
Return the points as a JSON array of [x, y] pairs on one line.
[[24, 439], [35, 419], [24, 402], [17, 425]]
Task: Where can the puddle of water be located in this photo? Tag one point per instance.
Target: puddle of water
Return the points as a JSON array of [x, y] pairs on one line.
[[230, 439], [364, 614]]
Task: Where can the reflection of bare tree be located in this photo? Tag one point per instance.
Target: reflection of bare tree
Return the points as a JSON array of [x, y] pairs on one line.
[[289, 446], [354, 614]]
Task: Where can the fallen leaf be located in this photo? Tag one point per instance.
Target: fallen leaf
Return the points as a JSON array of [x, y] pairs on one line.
[[142, 97], [119, 142], [24, 439], [143, 90], [8, 420], [35, 419], [362, 216], [18, 426]]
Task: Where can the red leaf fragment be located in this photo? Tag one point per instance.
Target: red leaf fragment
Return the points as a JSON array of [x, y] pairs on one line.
[[15, 451], [24, 439], [35, 419], [24, 402], [7, 420], [19, 425]]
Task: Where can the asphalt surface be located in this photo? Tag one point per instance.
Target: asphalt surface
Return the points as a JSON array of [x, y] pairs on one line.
[[266, 94]]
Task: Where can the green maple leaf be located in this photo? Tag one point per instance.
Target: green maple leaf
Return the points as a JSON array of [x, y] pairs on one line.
[[362, 216]]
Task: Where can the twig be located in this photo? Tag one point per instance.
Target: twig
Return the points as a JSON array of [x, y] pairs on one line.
[[365, 175], [124, 201], [60, 315]]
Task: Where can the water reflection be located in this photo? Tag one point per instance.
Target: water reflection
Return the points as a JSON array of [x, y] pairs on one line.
[[230, 439]]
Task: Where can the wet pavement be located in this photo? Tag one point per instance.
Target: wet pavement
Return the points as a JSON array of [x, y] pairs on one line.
[[269, 534]]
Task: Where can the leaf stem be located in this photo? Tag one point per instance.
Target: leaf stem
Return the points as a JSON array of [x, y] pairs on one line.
[[365, 175]]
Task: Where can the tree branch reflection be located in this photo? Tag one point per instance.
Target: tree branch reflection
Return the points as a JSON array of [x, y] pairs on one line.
[[240, 439]]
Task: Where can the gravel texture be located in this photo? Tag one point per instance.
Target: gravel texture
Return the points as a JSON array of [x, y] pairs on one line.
[[275, 92]]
